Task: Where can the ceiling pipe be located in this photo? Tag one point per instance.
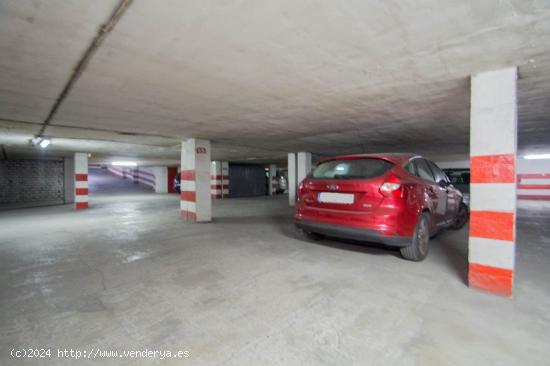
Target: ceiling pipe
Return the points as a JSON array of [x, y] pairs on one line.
[[102, 33]]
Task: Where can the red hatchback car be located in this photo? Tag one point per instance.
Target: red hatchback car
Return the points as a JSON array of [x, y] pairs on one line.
[[396, 199]]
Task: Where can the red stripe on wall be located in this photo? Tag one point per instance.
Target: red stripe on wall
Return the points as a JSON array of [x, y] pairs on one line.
[[81, 177], [534, 186], [188, 196], [187, 175], [80, 205], [141, 172], [188, 215], [493, 169], [534, 197], [534, 176], [81, 191], [492, 279], [492, 225]]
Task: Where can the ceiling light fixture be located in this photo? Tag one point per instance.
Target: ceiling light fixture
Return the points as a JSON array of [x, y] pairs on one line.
[[124, 163], [44, 143], [536, 156], [41, 141]]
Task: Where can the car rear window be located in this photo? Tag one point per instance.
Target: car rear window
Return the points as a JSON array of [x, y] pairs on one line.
[[351, 169]]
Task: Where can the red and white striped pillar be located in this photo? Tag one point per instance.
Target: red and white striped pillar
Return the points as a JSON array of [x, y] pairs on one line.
[[219, 179], [195, 203], [493, 146], [81, 180], [272, 179]]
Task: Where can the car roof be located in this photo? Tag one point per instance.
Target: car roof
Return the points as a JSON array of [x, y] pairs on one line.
[[396, 158]]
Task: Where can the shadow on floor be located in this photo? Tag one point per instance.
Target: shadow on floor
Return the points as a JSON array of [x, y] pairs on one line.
[[453, 249], [292, 232]]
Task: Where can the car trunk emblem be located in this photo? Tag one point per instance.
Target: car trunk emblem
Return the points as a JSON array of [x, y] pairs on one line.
[[332, 187]]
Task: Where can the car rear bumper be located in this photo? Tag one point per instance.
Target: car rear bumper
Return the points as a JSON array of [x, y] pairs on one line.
[[352, 233]]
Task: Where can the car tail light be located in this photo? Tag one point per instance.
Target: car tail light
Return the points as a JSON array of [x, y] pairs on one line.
[[392, 187]]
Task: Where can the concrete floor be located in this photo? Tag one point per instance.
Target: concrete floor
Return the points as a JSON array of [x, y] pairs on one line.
[[247, 290]]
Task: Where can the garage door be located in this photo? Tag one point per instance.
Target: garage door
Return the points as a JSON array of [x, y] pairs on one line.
[[247, 180], [31, 181]]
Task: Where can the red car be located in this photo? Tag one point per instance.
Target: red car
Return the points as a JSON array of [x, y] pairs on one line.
[[396, 199]]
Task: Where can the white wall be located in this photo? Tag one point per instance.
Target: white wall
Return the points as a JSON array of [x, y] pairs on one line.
[[527, 189]]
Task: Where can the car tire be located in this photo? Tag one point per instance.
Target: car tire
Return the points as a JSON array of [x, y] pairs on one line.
[[418, 250], [313, 236], [461, 217]]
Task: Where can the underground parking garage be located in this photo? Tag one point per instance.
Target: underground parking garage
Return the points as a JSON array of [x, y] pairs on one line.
[[278, 183]]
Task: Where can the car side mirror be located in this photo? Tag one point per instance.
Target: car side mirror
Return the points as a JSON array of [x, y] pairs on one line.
[[443, 184]]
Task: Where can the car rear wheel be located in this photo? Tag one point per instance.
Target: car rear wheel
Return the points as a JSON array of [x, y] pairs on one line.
[[461, 217], [418, 250]]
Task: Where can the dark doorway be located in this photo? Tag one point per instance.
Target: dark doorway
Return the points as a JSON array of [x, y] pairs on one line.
[[246, 180]]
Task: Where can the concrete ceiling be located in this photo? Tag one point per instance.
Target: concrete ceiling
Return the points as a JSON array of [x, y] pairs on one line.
[[260, 78]]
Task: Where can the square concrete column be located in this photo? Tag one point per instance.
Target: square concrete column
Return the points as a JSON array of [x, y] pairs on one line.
[[303, 166], [215, 179], [219, 179], [225, 179], [291, 179], [195, 203], [161, 179], [272, 179], [81, 180], [493, 147]]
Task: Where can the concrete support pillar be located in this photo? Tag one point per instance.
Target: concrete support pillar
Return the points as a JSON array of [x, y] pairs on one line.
[[196, 203], [81, 180], [493, 147], [272, 179], [225, 179], [161, 179], [303, 166], [215, 180], [219, 179], [291, 179]]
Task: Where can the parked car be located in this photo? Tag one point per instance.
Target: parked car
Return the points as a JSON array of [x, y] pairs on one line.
[[281, 184], [399, 200], [177, 183], [460, 179]]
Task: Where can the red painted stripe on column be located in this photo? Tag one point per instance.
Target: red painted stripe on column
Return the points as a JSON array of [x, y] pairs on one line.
[[492, 225], [219, 186], [80, 205], [493, 169], [81, 177], [492, 279], [188, 196], [81, 191], [219, 177], [187, 175], [188, 215]]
